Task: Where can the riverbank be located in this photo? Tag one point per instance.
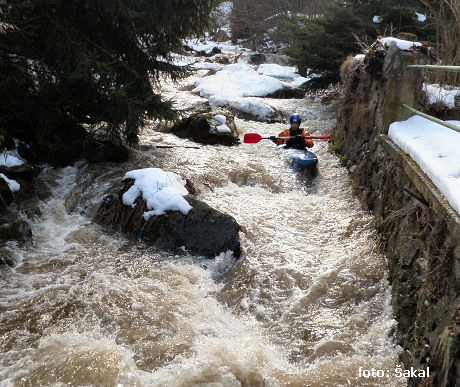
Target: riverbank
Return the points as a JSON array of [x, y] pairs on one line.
[[419, 231]]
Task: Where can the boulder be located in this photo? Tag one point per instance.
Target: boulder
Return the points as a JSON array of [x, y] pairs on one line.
[[21, 172], [203, 231], [6, 196], [28, 153], [6, 259], [287, 93], [222, 59], [6, 141], [256, 59], [96, 151], [18, 230], [214, 51], [204, 129], [221, 36]]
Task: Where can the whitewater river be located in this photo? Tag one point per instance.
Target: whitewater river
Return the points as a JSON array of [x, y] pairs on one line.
[[307, 304]]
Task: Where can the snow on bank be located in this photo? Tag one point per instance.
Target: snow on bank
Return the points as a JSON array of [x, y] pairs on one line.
[[237, 80], [277, 71], [435, 149], [233, 84], [251, 105], [162, 191], [208, 45], [238, 85], [10, 159], [402, 44], [283, 72], [445, 95], [13, 184]]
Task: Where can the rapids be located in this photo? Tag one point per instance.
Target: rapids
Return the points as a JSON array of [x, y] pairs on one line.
[[307, 304]]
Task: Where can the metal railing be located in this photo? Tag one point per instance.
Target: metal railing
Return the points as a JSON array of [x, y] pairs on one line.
[[435, 68], [431, 118], [427, 116]]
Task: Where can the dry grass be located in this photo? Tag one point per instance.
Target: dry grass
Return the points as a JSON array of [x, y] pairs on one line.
[[446, 14], [347, 68], [114, 213]]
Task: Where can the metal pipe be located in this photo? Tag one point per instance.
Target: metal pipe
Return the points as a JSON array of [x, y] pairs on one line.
[[435, 67], [431, 118]]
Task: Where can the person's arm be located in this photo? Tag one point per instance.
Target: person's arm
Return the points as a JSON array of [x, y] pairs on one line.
[[281, 141], [308, 141]]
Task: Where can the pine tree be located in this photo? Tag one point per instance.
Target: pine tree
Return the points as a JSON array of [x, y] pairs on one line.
[[322, 43], [66, 64]]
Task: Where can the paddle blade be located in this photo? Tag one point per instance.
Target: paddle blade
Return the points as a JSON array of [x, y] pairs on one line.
[[252, 138]]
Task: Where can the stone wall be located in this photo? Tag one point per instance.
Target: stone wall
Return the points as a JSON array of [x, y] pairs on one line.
[[419, 231]]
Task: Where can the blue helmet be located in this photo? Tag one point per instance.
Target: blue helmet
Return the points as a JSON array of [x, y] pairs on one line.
[[295, 118]]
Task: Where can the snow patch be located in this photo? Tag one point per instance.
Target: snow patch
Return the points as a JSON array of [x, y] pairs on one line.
[[221, 119], [162, 191], [13, 184], [420, 17], [224, 129], [435, 149], [445, 95], [402, 44], [11, 159], [251, 105]]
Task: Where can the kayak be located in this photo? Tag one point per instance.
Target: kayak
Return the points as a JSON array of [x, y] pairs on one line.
[[302, 159]]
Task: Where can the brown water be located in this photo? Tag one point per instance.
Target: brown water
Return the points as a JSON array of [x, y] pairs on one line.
[[306, 305]]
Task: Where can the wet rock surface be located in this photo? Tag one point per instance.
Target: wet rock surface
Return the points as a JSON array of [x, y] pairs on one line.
[[203, 231], [18, 230], [22, 172], [202, 128], [6, 196]]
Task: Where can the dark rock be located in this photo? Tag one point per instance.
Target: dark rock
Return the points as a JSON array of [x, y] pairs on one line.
[[18, 230], [23, 172], [222, 60], [6, 196], [257, 59], [27, 153], [191, 187], [287, 93], [201, 128], [7, 142], [203, 231], [214, 51], [221, 36], [103, 150], [5, 258]]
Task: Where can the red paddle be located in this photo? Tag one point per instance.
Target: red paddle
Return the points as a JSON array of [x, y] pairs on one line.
[[254, 138]]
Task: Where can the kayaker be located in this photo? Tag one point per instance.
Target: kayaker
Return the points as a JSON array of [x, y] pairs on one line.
[[298, 136]]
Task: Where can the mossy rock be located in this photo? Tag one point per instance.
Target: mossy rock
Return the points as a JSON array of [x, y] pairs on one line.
[[203, 231], [202, 128]]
